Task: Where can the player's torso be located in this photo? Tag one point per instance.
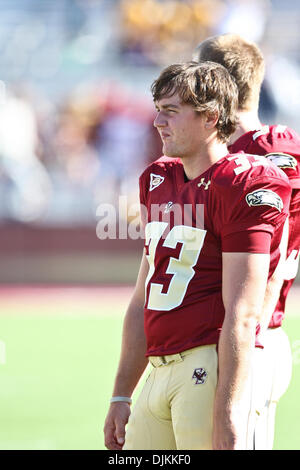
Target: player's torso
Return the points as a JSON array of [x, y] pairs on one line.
[[183, 225], [185, 261]]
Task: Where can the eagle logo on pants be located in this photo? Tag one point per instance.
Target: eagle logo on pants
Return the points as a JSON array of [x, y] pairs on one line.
[[199, 376]]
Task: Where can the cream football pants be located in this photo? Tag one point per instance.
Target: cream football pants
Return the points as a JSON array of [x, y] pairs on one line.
[[175, 407], [272, 375]]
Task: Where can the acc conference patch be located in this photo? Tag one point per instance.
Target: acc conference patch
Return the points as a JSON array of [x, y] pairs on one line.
[[264, 197], [282, 160]]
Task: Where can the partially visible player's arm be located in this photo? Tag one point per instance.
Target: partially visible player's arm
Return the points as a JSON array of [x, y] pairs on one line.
[[132, 362], [244, 285], [275, 283]]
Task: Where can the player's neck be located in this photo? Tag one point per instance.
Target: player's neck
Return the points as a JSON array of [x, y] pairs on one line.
[[247, 121], [195, 165]]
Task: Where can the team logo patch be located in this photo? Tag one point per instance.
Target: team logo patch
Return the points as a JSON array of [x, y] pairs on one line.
[[199, 376], [282, 160], [264, 197], [155, 181]]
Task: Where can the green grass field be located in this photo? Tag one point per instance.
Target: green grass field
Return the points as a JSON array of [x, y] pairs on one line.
[[58, 354]]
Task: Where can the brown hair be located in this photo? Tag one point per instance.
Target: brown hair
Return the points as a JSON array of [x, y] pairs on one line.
[[207, 86], [242, 59]]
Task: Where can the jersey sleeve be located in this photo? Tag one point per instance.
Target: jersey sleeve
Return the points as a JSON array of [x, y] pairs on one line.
[[279, 144], [251, 213]]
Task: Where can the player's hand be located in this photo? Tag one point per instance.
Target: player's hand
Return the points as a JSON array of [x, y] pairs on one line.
[[114, 427]]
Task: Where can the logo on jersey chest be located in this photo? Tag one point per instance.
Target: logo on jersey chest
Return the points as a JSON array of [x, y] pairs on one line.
[[199, 376], [264, 197], [155, 181], [204, 183]]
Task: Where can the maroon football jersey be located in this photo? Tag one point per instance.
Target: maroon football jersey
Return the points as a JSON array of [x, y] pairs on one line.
[[281, 145], [238, 205]]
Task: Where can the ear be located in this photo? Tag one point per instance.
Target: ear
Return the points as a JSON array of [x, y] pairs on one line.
[[211, 120]]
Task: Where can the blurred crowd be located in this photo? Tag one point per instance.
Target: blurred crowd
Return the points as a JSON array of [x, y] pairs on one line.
[[157, 32], [76, 114], [58, 164]]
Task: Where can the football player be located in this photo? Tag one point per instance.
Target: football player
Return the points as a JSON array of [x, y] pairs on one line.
[[213, 223], [281, 145]]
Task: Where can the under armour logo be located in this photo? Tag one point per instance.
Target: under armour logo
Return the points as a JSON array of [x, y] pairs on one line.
[[199, 376], [202, 182]]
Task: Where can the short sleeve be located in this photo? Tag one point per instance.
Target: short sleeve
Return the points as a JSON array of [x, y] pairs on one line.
[[247, 241], [279, 144], [252, 212]]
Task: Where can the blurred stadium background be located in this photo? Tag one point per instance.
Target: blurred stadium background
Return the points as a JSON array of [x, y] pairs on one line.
[[75, 132]]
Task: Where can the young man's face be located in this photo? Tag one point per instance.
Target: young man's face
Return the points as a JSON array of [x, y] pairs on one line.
[[181, 129]]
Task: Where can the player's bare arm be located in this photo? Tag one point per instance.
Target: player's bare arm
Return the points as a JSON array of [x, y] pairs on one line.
[[244, 284], [131, 365]]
